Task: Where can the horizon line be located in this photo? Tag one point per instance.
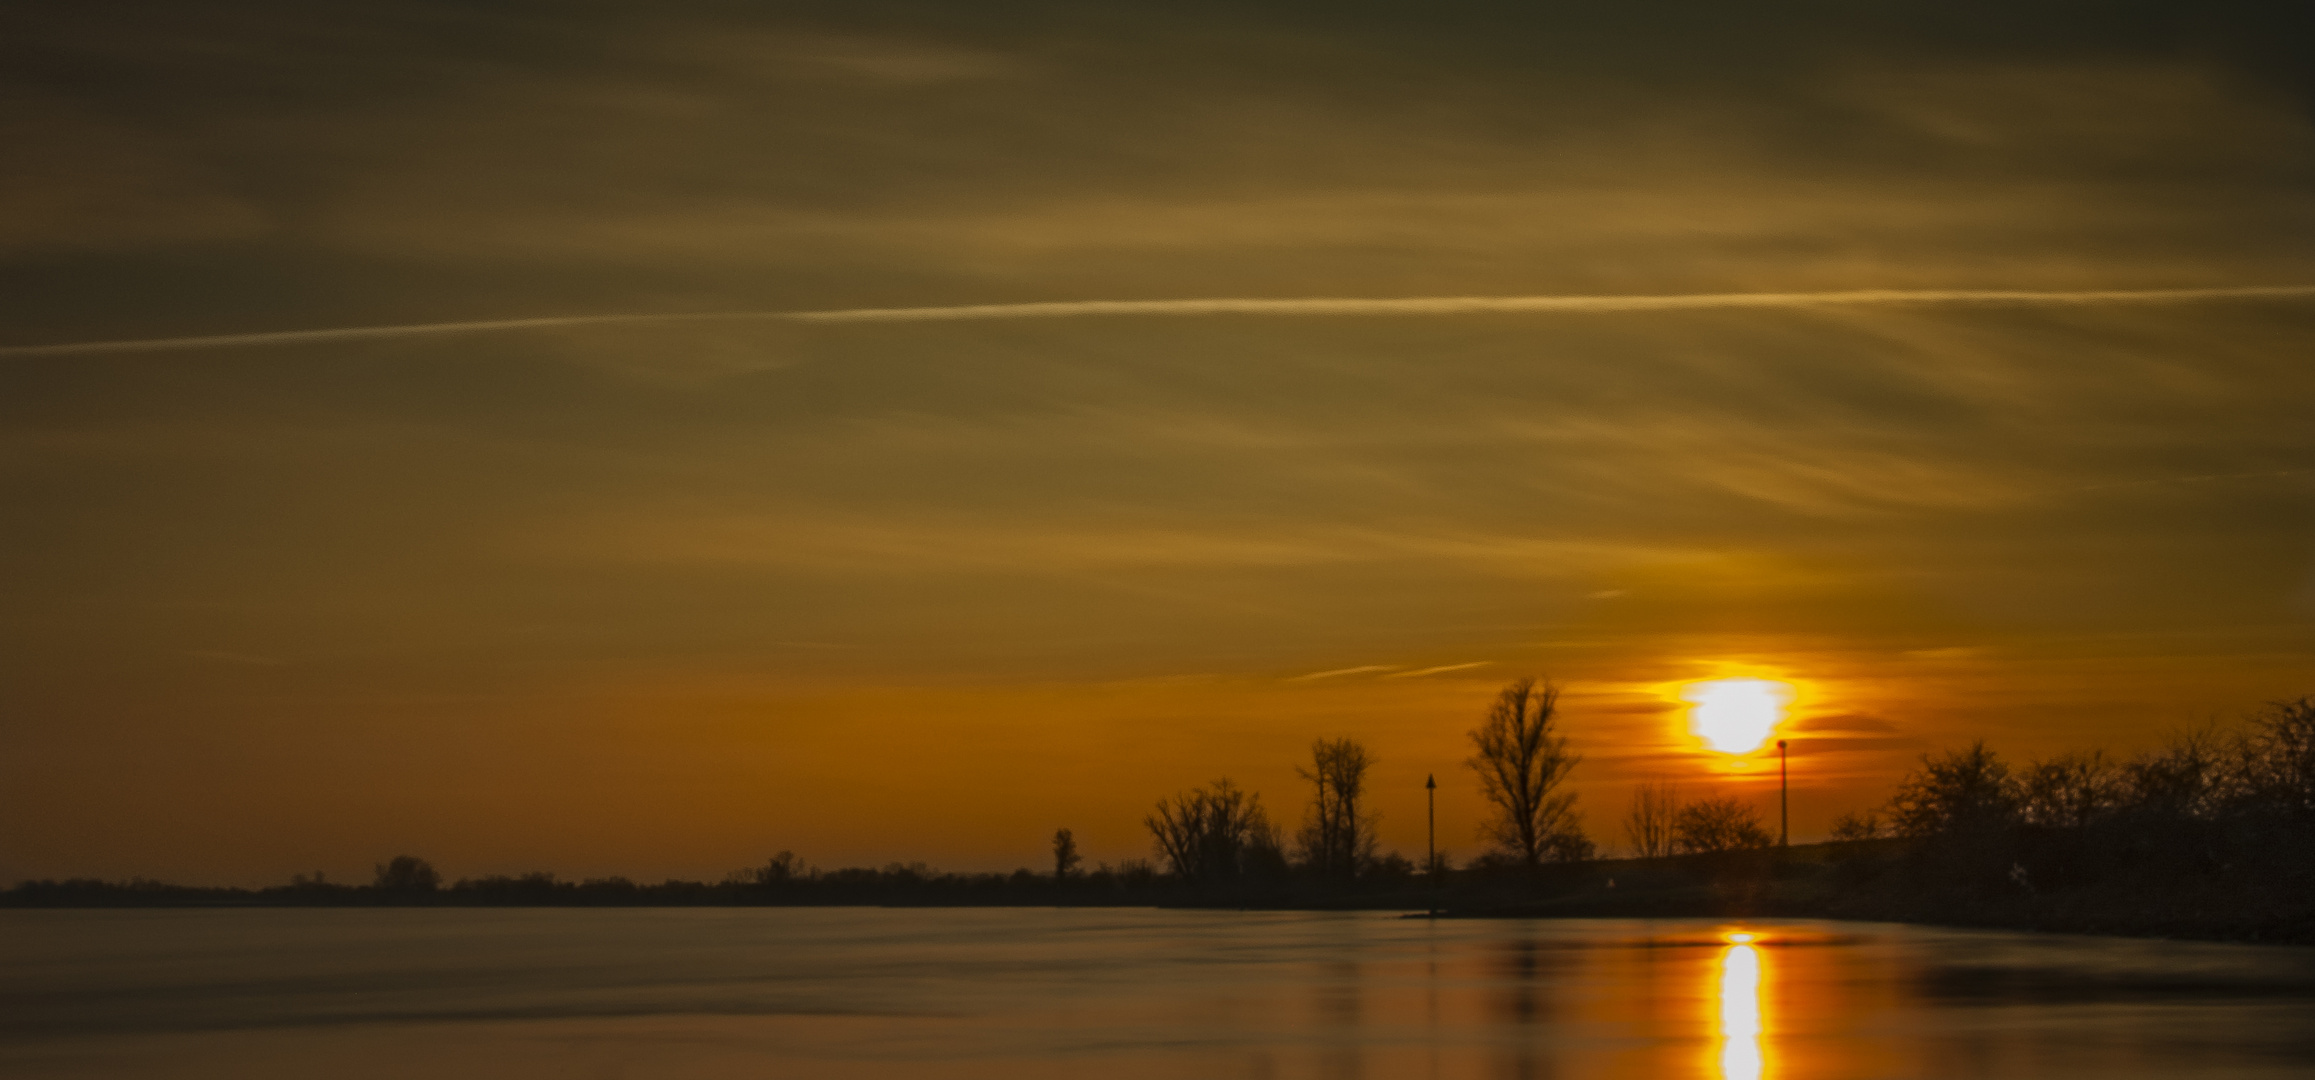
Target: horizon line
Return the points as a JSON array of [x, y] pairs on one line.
[[1061, 309]]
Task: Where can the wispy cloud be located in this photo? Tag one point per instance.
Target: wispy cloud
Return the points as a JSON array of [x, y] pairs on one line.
[[827, 541], [2262, 474], [1440, 670], [1470, 305], [1389, 671], [1363, 669], [1255, 306]]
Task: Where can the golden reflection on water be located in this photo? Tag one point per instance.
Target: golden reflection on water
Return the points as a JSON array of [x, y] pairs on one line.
[[1741, 1053]]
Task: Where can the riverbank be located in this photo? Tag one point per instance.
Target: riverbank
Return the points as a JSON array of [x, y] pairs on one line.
[[1888, 881], [1879, 881]]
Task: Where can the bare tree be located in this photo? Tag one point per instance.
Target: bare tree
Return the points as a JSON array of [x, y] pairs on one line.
[[1726, 823], [1212, 833], [1065, 857], [1521, 765], [2069, 791], [1338, 834], [1854, 825], [1955, 792], [2188, 777], [1648, 822], [2278, 758], [407, 873], [780, 869]]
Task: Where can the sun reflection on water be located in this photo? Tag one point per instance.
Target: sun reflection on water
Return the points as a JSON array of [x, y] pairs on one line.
[[1741, 1056]]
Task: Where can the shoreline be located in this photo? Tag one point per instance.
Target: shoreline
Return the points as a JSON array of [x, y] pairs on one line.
[[1872, 881]]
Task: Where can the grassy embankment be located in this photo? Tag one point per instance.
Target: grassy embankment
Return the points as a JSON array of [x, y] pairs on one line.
[[1899, 881]]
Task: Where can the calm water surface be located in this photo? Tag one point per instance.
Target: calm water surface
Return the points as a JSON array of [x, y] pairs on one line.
[[1115, 994]]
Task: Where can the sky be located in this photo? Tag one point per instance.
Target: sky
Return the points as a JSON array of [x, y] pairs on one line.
[[635, 439]]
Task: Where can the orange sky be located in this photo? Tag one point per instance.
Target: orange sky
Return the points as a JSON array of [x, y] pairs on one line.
[[660, 597]]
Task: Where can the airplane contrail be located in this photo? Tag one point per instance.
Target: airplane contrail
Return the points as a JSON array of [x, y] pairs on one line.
[[1077, 309], [1462, 305]]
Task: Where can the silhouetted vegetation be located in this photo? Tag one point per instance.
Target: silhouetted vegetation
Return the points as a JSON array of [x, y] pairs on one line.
[[1215, 835], [1853, 826], [781, 880], [1648, 821], [2210, 834], [1725, 823], [1215, 845], [1659, 822], [406, 874], [1522, 765], [1338, 833], [1218, 845]]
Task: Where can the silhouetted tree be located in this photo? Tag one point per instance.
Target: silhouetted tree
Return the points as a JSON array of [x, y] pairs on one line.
[[1521, 765], [1135, 873], [2278, 759], [1648, 822], [1391, 867], [1212, 834], [2069, 791], [2187, 778], [780, 869], [1954, 792], [1726, 823], [407, 873], [1853, 825], [2211, 833], [1065, 857], [1338, 834]]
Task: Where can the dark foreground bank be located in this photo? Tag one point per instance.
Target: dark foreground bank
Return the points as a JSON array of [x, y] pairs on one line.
[[2124, 887], [2017, 885]]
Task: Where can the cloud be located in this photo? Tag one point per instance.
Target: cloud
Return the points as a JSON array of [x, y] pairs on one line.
[[1314, 306], [1363, 669], [1858, 725], [832, 542], [1476, 305], [1440, 670], [507, 356], [97, 184], [1948, 653]]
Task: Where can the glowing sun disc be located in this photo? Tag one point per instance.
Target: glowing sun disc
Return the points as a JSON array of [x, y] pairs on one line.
[[1735, 716]]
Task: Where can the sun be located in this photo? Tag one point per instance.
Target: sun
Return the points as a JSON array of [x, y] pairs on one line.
[[1735, 716]]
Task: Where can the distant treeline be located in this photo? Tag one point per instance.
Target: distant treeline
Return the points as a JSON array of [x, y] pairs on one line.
[[1215, 845], [2210, 834], [407, 881], [1219, 838]]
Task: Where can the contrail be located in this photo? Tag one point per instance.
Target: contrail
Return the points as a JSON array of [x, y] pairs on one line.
[[1464, 305], [366, 333], [1080, 309]]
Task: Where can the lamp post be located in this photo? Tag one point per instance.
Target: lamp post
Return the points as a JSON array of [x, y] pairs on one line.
[[1784, 798], [1431, 837]]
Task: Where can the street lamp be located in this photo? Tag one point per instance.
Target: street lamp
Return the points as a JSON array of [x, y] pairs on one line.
[[1784, 798], [1431, 840]]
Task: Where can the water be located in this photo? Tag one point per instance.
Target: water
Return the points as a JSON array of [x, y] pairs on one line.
[[1117, 994]]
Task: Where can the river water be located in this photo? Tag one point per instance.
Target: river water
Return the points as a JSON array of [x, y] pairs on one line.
[[1117, 994]]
